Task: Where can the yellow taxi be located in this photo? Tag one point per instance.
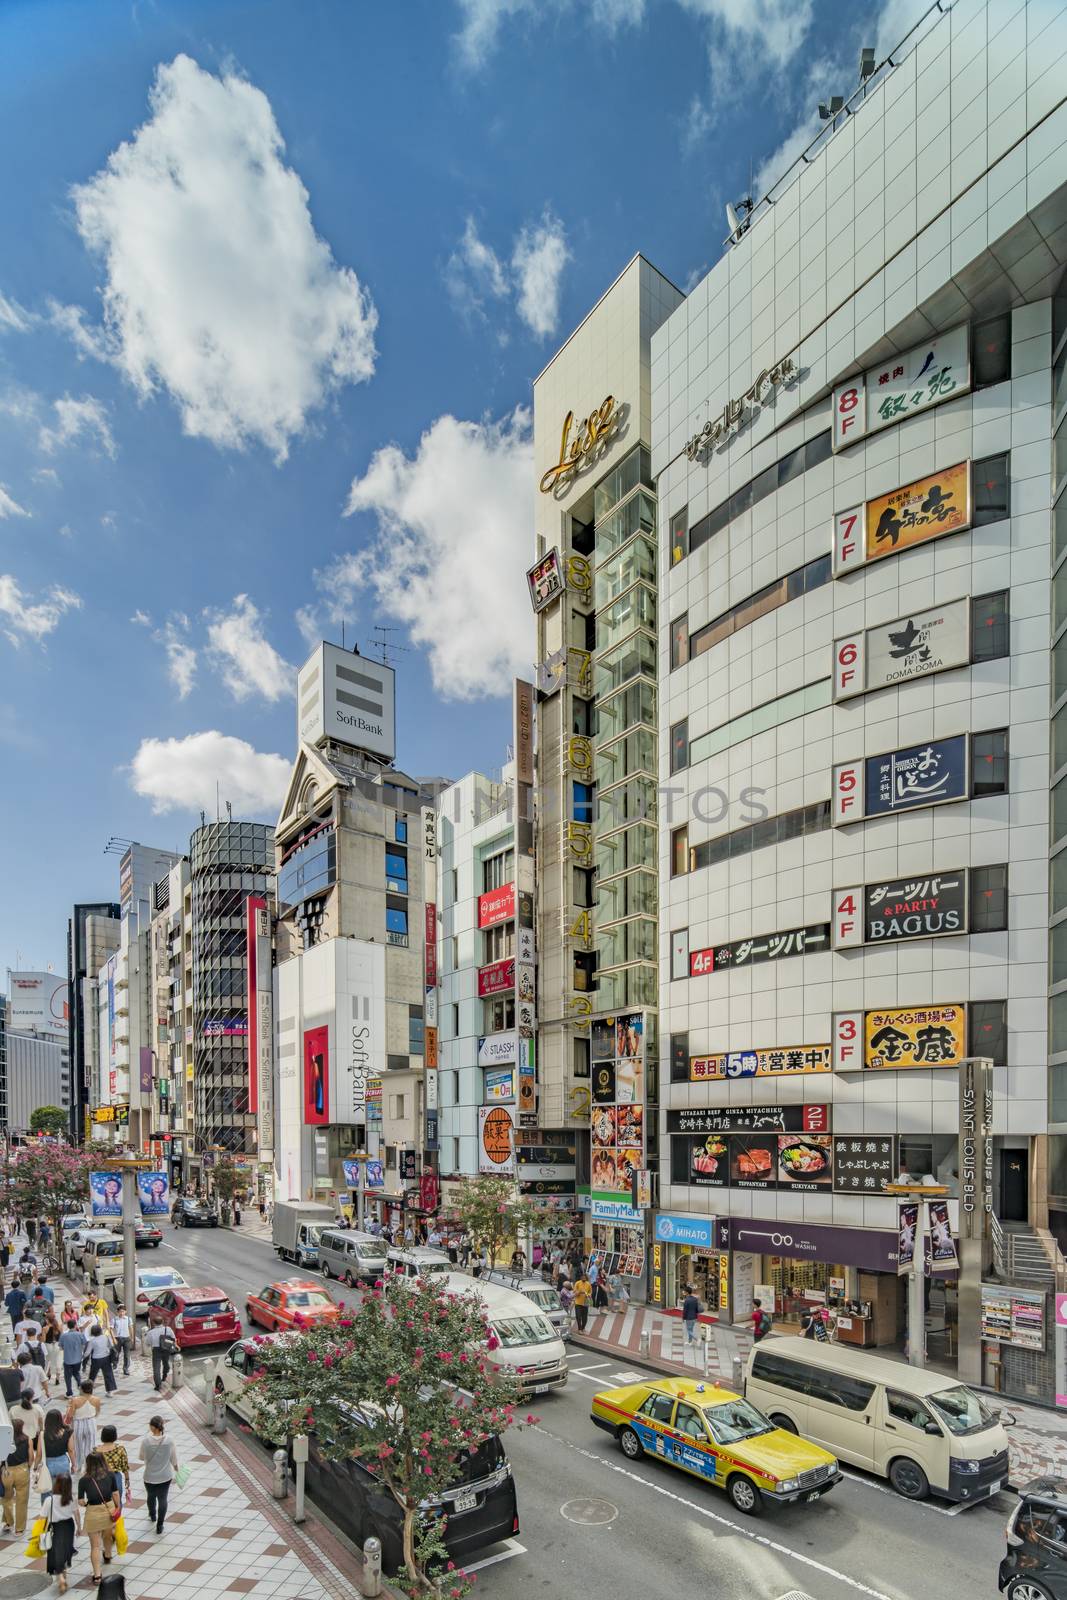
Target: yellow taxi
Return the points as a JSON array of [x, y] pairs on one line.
[[716, 1434]]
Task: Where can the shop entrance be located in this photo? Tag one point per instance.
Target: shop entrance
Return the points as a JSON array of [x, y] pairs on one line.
[[1014, 1186]]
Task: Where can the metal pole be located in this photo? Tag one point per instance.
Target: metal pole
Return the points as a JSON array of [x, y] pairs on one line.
[[361, 1203], [129, 1242], [916, 1292]]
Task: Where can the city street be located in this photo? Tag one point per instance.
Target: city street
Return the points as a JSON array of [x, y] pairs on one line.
[[591, 1520]]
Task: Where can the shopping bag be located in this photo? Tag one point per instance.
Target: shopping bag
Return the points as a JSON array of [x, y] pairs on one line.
[[181, 1477], [33, 1549], [122, 1538]]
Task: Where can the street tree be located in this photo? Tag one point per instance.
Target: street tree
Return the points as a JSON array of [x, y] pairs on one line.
[[47, 1180], [229, 1179], [405, 1385], [493, 1213], [49, 1119]]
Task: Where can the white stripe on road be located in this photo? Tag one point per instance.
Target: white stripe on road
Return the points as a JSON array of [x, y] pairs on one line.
[[923, 1505], [514, 1548], [713, 1516]]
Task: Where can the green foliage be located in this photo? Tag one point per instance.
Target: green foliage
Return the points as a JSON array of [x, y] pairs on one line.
[[492, 1213], [229, 1179], [44, 1180], [49, 1119], [414, 1360]]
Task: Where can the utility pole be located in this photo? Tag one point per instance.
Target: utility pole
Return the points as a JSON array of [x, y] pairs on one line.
[[131, 1210]]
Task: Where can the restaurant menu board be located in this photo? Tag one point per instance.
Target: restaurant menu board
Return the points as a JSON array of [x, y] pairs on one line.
[[804, 1162], [1013, 1316]]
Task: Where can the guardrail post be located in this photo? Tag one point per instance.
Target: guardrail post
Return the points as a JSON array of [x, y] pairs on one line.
[[371, 1581]]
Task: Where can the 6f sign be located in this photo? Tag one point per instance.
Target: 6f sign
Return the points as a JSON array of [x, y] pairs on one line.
[[849, 669]]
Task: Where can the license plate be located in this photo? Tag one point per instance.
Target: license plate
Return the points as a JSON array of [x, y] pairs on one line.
[[541, 1388], [813, 1496], [466, 1502], [994, 1488], [212, 1324]]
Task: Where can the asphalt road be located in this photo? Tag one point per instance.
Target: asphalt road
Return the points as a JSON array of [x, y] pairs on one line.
[[595, 1526]]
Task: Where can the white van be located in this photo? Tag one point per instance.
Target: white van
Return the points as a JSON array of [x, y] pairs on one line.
[[530, 1349], [542, 1294], [919, 1429], [352, 1256], [418, 1262], [101, 1257]]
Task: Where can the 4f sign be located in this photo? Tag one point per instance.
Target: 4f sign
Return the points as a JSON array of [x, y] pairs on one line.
[[847, 790], [850, 412], [848, 918], [849, 665], [848, 1039], [848, 545]]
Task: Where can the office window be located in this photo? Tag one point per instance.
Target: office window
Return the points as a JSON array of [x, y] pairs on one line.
[[582, 802], [416, 1034], [679, 851], [990, 626], [453, 945], [498, 1014], [991, 351], [396, 922], [769, 830], [498, 870], [989, 763], [498, 943], [679, 642], [679, 1058], [401, 830], [679, 535], [679, 954], [790, 467], [990, 489], [396, 871], [989, 899], [987, 1022], [455, 1021], [681, 1146], [680, 745], [453, 880]]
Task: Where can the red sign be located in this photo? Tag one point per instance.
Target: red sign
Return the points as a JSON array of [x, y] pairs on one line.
[[701, 962], [431, 945], [816, 1119], [498, 976], [496, 905], [429, 1191], [316, 1077], [253, 904]]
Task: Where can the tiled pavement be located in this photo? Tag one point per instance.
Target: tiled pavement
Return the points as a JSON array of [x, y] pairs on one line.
[[225, 1534]]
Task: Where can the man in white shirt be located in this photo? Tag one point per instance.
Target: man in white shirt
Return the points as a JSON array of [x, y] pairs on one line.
[[122, 1329], [33, 1378], [28, 1331], [101, 1357], [160, 1340]]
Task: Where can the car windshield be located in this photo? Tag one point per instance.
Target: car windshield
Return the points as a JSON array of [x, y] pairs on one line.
[[308, 1297], [423, 1267], [160, 1278], [372, 1252], [479, 1462], [962, 1410], [314, 1234], [734, 1420], [523, 1330], [109, 1247], [545, 1299]]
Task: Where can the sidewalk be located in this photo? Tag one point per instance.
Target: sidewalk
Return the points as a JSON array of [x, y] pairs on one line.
[[225, 1534], [1037, 1440]]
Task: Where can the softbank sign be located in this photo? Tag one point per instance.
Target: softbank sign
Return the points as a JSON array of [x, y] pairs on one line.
[[359, 1052], [347, 697]]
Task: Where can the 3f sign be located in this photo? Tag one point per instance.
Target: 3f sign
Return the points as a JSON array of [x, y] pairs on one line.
[[848, 1041]]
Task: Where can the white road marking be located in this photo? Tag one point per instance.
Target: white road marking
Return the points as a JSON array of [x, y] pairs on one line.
[[923, 1505], [713, 1516], [514, 1548]]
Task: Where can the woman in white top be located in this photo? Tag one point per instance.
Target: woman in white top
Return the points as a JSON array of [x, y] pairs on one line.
[[64, 1521], [160, 1464], [31, 1416]]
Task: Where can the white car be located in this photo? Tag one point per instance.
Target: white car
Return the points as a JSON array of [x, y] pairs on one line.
[[418, 1262], [231, 1373], [151, 1281]]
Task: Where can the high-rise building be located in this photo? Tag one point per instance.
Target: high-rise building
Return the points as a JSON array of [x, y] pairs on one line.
[[34, 1065], [92, 933], [860, 449], [594, 590]]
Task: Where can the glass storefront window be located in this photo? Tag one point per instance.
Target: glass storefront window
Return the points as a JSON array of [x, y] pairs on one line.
[[636, 561], [628, 988], [633, 469], [632, 707], [635, 609]]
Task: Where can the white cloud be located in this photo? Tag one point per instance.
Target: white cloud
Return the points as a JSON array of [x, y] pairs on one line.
[[474, 273], [453, 541], [540, 255], [756, 29], [46, 475], [792, 147], [142, 619], [74, 418], [218, 288], [311, 628], [22, 618], [182, 774], [240, 651], [13, 317], [482, 21], [10, 507], [181, 657]]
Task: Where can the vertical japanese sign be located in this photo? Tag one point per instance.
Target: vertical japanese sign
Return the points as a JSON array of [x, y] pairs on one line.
[[976, 1148], [260, 1023], [430, 1049]]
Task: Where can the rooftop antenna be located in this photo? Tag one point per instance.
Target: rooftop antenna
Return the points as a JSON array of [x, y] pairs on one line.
[[385, 644], [738, 217], [229, 812]]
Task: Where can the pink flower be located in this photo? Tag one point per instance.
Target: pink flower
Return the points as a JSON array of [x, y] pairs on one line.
[[492, 1343], [312, 1356], [385, 1451], [463, 1356], [392, 1383], [426, 1436]]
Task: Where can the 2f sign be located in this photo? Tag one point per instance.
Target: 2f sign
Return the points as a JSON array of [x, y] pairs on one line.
[[850, 412], [847, 787], [848, 1041], [848, 918], [849, 668], [848, 544]]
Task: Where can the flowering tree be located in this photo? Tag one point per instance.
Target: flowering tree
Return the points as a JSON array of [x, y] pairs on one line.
[[44, 1180], [493, 1213], [403, 1385]]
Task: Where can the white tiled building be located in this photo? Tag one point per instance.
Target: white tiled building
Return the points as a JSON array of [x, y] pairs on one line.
[[938, 203]]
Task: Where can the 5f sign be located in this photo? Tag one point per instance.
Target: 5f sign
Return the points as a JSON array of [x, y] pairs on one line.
[[848, 792]]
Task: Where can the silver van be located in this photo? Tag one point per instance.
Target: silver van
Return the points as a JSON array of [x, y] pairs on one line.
[[101, 1257], [543, 1295], [351, 1256], [418, 1262]]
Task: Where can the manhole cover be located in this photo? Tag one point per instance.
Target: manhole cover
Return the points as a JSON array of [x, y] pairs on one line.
[[590, 1512], [20, 1585]]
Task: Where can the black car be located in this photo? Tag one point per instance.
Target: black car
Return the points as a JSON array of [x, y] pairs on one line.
[[481, 1506], [194, 1214], [144, 1232], [1035, 1567]]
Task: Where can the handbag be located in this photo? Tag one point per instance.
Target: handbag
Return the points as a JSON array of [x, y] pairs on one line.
[[44, 1538], [181, 1476]]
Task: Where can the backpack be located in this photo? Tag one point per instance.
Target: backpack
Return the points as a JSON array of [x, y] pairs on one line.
[[168, 1344]]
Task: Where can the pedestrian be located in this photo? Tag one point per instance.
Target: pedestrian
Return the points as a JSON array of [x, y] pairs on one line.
[[44, 1234], [16, 1476], [160, 1340], [31, 1232], [96, 1309], [11, 1381], [83, 1412], [122, 1329], [614, 1290], [44, 1289], [27, 1330], [101, 1358], [5, 1252], [583, 1290], [52, 1349], [761, 1322], [31, 1416], [566, 1300], [262, 1210], [117, 1459], [160, 1464], [33, 1377], [69, 1315], [99, 1501], [808, 1327], [72, 1346], [63, 1523], [15, 1301], [690, 1313], [56, 1440], [27, 1262]]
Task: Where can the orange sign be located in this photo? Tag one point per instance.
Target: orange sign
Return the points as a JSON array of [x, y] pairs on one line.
[[496, 1131], [926, 509]]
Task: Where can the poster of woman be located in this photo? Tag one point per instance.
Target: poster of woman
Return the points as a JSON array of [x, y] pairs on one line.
[[105, 1188], [153, 1193]]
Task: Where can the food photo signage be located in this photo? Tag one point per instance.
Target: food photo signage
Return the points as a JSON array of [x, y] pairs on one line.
[[900, 1039], [910, 908], [926, 509], [939, 369], [756, 1119], [808, 1163]]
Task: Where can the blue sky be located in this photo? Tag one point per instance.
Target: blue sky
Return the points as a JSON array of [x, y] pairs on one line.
[[275, 281]]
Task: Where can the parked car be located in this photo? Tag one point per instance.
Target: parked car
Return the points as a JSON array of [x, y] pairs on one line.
[[232, 1371], [76, 1241], [706, 1429], [100, 1257], [293, 1304], [73, 1221], [543, 1295], [151, 1281], [352, 1256], [1035, 1567], [527, 1346], [195, 1214], [196, 1316], [418, 1262]]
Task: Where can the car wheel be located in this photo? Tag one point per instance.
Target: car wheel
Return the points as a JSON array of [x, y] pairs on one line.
[[744, 1494], [909, 1479], [348, 1279], [630, 1444], [326, 1269], [782, 1422], [1027, 1589]]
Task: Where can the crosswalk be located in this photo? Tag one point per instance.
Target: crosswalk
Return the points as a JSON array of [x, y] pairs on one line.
[[642, 1333]]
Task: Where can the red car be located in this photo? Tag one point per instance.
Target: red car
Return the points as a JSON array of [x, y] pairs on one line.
[[197, 1316], [293, 1304]]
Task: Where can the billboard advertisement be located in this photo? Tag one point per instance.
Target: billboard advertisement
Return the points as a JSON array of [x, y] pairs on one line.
[[496, 1140], [496, 1049], [762, 947], [928, 774], [496, 978], [316, 1077], [914, 1036], [261, 1022], [783, 1061], [911, 908], [348, 697], [496, 905], [37, 1002], [939, 369], [153, 1191], [144, 1069], [545, 580], [935, 640], [359, 1047], [225, 1027], [105, 1190], [500, 1084], [976, 1149]]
